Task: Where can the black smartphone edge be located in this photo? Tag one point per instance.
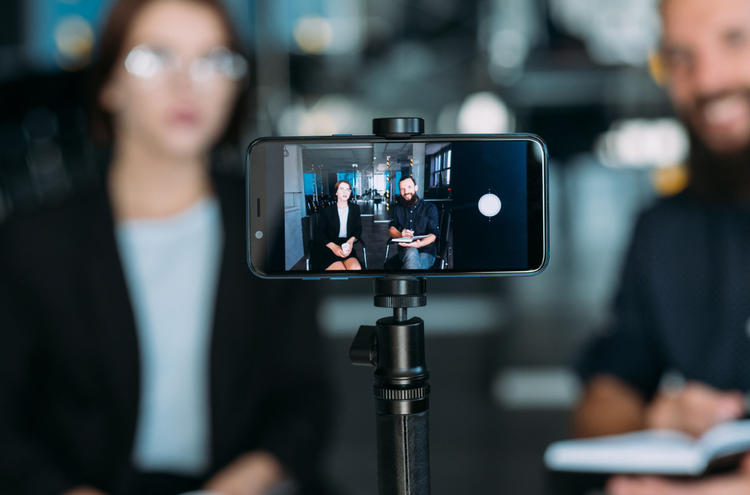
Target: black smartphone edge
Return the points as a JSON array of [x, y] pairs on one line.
[[343, 275]]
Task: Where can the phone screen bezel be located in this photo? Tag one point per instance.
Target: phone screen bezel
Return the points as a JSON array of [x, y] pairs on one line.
[[256, 201]]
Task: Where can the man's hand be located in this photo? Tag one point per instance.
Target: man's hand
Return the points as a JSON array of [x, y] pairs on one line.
[[609, 407], [251, 474], [406, 233], [694, 409], [737, 483], [412, 244], [84, 490]]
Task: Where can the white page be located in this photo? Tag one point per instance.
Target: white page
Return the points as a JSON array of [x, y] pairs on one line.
[[409, 239], [653, 451], [726, 439]]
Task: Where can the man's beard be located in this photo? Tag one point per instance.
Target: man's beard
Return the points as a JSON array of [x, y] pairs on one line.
[[718, 176], [408, 203]]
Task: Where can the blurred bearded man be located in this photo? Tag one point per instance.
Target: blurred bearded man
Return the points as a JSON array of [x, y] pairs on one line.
[[684, 300]]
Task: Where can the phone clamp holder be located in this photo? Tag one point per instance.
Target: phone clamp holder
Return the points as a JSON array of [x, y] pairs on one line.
[[395, 346], [398, 127]]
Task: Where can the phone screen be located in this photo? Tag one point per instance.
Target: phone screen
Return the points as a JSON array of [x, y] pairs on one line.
[[435, 205]]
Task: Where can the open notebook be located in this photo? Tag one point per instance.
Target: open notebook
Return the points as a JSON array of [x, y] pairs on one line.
[[664, 452], [409, 239]]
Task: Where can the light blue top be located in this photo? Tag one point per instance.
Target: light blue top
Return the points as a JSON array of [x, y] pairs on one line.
[[171, 267]]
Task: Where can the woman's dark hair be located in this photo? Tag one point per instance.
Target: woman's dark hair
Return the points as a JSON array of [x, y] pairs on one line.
[[110, 53], [343, 181]]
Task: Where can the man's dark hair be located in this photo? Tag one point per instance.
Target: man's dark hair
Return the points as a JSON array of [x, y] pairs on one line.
[[405, 178]]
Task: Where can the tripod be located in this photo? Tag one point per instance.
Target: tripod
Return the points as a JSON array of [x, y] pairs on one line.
[[395, 346]]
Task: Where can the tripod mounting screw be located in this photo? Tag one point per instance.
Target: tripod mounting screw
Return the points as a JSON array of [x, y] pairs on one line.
[[400, 292], [398, 127], [410, 301]]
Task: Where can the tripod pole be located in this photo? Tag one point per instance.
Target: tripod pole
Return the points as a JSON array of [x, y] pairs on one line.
[[395, 346]]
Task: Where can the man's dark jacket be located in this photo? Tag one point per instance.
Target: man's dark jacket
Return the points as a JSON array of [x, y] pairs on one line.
[[422, 218], [69, 356], [684, 299]]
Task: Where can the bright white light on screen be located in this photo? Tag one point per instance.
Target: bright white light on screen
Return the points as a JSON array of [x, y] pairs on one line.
[[489, 205]]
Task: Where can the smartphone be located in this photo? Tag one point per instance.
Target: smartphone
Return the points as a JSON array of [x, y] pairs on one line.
[[366, 206]]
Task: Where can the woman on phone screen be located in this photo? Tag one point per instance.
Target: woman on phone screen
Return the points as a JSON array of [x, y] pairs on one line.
[[140, 355], [339, 227]]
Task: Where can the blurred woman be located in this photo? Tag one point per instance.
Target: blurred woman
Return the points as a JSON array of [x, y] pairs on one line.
[[138, 355], [338, 229]]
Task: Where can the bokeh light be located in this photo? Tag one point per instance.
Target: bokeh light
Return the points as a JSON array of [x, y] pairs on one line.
[[615, 32], [484, 112], [332, 114], [74, 40], [313, 35], [643, 143], [508, 50]]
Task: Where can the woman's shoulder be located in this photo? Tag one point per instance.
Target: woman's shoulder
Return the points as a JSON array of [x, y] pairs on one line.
[[54, 231], [231, 188], [74, 210]]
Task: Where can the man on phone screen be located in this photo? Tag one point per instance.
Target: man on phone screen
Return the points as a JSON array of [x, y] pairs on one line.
[[414, 218], [684, 301]]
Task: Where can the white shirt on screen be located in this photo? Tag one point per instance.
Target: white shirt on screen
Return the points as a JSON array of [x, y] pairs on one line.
[[343, 217]]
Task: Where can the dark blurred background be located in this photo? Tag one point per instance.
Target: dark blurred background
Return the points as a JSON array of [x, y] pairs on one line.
[[575, 72]]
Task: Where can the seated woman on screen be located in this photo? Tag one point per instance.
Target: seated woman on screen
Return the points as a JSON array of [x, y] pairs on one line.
[[338, 230]]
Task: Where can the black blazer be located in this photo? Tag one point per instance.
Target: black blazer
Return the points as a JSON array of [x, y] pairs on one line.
[[69, 356], [329, 224]]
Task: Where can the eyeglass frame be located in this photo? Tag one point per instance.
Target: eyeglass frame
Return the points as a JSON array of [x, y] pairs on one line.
[[237, 60]]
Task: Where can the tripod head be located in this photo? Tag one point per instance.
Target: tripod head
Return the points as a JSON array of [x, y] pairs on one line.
[[399, 292]]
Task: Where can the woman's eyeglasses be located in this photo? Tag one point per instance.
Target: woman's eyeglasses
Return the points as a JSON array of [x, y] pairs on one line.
[[146, 62]]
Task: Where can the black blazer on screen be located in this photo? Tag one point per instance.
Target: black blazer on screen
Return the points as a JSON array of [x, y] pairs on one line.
[[329, 224], [69, 356]]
